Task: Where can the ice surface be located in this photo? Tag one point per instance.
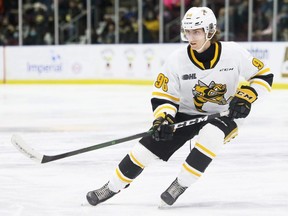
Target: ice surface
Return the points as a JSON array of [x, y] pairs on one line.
[[248, 177]]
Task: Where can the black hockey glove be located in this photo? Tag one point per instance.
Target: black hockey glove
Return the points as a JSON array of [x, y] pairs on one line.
[[240, 105], [162, 130]]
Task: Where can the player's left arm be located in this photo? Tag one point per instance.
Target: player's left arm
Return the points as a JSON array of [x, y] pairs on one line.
[[260, 80]]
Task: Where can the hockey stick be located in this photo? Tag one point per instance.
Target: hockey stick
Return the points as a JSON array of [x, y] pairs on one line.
[[20, 144]]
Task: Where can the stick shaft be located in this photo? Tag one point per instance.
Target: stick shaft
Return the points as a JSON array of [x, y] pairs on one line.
[[19, 143], [48, 158]]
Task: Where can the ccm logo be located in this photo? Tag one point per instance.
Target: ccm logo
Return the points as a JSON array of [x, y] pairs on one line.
[[191, 122]]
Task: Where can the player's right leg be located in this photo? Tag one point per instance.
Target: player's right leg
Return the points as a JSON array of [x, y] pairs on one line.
[[208, 143], [128, 169]]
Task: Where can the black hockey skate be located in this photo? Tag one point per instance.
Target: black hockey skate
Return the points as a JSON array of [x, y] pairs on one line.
[[100, 195], [171, 194]]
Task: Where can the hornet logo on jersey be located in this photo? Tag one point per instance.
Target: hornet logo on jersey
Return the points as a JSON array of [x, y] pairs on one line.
[[214, 93]]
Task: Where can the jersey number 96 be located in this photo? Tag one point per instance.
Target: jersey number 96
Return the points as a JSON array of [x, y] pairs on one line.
[[161, 82]]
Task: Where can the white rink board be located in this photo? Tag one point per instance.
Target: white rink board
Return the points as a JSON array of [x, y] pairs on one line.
[[273, 54], [128, 62], [85, 62]]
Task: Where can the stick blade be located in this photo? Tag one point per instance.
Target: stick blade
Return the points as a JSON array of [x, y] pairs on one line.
[[25, 149]]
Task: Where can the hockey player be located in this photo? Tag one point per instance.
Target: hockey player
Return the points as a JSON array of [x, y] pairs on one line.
[[198, 80]]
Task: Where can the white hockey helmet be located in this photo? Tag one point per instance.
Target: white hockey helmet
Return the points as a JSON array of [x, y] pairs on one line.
[[199, 17]]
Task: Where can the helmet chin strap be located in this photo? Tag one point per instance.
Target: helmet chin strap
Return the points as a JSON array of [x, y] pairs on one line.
[[207, 39], [201, 48]]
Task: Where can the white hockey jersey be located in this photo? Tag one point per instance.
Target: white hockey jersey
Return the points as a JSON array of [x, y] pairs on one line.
[[186, 85]]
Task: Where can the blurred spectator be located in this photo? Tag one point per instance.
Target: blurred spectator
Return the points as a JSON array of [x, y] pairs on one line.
[[8, 22], [106, 30], [151, 25], [72, 21], [282, 23], [173, 8], [8, 35], [241, 20], [38, 21], [102, 8], [1, 6], [221, 22], [35, 23], [150, 21], [262, 25], [128, 27]]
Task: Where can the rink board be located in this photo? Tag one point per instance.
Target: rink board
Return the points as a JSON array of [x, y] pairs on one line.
[[113, 64]]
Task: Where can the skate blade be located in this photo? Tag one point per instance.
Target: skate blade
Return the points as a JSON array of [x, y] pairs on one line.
[[163, 205], [85, 204]]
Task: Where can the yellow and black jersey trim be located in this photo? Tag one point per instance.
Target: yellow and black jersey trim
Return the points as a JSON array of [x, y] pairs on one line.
[[212, 58], [263, 78], [165, 96], [168, 108], [161, 105]]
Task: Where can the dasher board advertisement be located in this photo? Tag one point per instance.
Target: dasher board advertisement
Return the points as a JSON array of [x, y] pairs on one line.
[[130, 62], [85, 62]]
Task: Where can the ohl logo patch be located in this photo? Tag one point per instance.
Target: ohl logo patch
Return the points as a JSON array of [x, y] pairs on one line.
[[214, 93]]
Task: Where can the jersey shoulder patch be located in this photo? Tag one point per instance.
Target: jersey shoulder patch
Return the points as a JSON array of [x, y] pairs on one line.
[[257, 63]]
